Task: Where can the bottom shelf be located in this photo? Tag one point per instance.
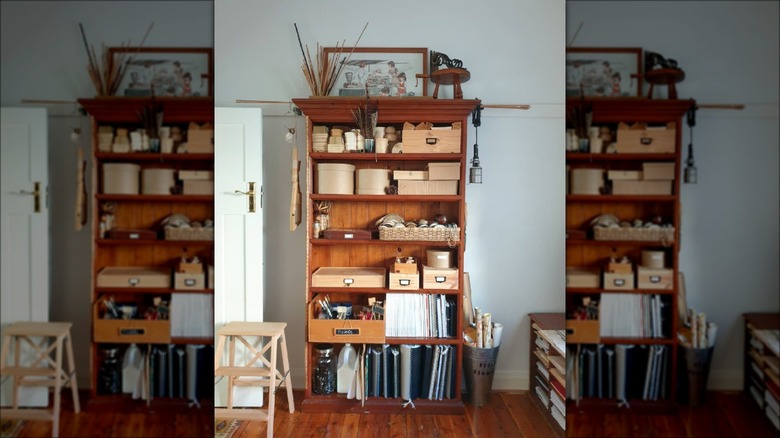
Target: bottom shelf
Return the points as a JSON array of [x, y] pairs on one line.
[[340, 403]]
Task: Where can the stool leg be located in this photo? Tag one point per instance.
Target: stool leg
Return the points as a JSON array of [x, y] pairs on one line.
[[231, 379], [55, 427], [17, 352], [288, 379], [272, 389], [74, 387]]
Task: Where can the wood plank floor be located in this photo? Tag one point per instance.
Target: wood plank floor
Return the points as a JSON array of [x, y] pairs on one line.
[[509, 414]]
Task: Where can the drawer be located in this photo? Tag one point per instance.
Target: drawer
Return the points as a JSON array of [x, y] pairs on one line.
[[648, 278], [348, 277], [582, 331], [132, 331], [403, 281], [440, 278], [431, 141], [131, 276], [583, 277], [640, 138], [617, 281], [354, 331], [189, 281]]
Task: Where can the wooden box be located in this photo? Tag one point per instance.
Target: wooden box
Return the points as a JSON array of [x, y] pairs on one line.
[[411, 187], [128, 331], [403, 281], [348, 277], [431, 141], [440, 278], [631, 175], [210, 277], [131, 234], [444, 171], [620, 268], [200, 139], [647, 278], [587, 181], [658, 171], [399, 267], [188, 281], [196, 174], [625, 187], [198, 187], [157, 181], [346, 234], [614, 281], [641, 139], [131, 276], [582, 331], [583, 277], [335, 179], [372, 181], [354, 331], [439, 258], [420, 175]]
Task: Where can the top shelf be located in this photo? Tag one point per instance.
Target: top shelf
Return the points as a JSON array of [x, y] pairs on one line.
[[588, 157], [152, 156], [347, 156], [637, 109], [117, 109], [390, 109]]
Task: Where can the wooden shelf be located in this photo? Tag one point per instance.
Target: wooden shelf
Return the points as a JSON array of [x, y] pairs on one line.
[[588, 291], [329, 242], [158, 242], [368, 156], [636, 341], [155, 198], [387, 198], [150, 290], [591, 242], [355, 290], [621, 198], [132, 157], [588, 157], [314, 403]]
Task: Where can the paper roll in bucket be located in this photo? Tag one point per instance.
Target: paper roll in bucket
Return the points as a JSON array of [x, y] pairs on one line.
[[497, 330]]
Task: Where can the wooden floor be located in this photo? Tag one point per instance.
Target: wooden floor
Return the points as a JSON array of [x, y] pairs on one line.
[[509, 414]]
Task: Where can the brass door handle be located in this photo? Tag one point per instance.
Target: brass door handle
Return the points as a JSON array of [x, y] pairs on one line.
[[36, 194], [251, 194]]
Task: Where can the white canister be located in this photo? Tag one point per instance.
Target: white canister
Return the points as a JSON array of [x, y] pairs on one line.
[[653, 259], [157, 181], [586, 181], [335, 179], [379, 132], [439, 258], [166, 145], [372, 181], [381, 145]]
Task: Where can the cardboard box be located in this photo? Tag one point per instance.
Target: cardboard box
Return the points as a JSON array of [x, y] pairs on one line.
[[583, 277], [647, 278], [356, 331], [200, 138], [444, 171], [196, 174], [582, 331], [410, 187], [134, 276], [419, 175], [656, 187], [403, 281], [121, 178], [440, 278], [198, 187], [348, 277], [641, 139], [335, 179], [431, 141], [631, 175], [658, 171], [614, 281], [189, 281]]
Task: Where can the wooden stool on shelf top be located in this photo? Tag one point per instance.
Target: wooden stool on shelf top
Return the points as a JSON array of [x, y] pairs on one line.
[[265, 375], [42, 370]]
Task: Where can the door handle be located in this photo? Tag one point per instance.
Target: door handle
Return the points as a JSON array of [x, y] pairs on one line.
[[36, 194], [251, 194]]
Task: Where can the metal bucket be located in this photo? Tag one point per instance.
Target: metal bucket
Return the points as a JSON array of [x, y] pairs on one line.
[[479, 365], [693, 379]]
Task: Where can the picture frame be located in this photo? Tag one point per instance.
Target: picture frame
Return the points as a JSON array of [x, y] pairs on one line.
[[168, 71], [380, 71], [610, 72]]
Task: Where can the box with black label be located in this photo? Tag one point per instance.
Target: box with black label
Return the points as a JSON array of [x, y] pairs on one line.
[[189, 281], [440, 278], [618, 281], [648, 278]]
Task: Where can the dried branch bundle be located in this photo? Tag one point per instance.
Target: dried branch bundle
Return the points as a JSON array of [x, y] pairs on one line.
[[366, 117], [105, 73], [322, 76]]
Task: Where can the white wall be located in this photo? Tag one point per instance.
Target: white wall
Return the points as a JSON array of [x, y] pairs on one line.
[[43, 57], [514, 51], [729, 236]]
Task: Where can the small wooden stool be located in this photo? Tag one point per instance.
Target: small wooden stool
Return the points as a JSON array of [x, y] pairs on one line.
[[263, 376], [43, 371]]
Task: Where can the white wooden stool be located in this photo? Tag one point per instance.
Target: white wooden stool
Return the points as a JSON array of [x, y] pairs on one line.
[[265, 375], [43, 371]]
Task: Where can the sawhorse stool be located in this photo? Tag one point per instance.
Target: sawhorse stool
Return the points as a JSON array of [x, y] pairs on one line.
[[265, 375], [42, 371]]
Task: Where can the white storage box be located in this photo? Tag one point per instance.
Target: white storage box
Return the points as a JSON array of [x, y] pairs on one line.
[[444, 171], [157, 181], [372, 181], [439, 258], [335, 179], [410, 187], [587, 181], [419, 175], [121, 178]]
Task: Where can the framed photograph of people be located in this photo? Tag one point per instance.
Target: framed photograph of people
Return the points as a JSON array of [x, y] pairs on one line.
[[177, 72], [383, 71], [603, 72]]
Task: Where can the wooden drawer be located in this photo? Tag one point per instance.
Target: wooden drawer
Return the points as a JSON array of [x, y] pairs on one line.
[[354, 331], [188, 281], [648, 278], [582, 331], [348, 277], [140, 331], [134, 276], [640, 139], [617, 281], [440, 278], [583, 277], [403, 281], [431, 141]]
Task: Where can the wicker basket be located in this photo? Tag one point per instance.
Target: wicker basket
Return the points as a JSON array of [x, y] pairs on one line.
[[423, 234], [639, 234], [200, 233]]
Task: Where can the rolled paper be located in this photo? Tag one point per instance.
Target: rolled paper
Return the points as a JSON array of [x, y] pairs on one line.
[[497, 330]]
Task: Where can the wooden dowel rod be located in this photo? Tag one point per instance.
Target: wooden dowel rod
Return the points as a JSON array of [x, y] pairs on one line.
[[737, 106], [520, 107], [259, 101], [52, 102]]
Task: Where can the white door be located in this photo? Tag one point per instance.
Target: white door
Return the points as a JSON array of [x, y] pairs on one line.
[[238, 240], [24, 228]]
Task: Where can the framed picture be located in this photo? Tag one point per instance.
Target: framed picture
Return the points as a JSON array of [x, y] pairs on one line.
[[180, 72], [378, 71], [603, 72]]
